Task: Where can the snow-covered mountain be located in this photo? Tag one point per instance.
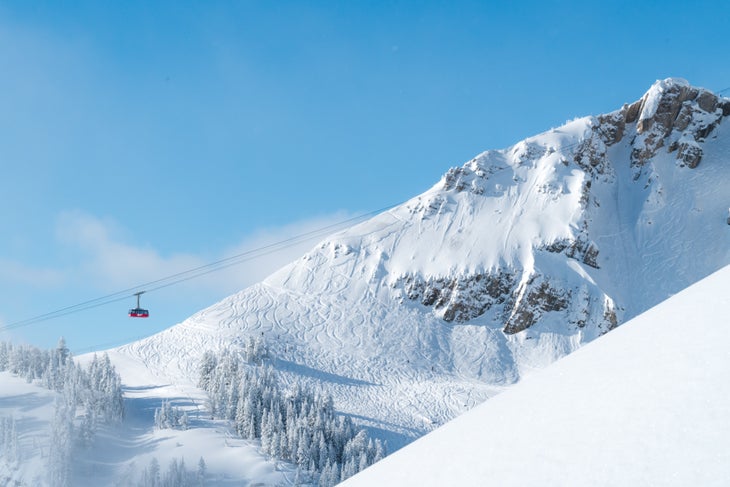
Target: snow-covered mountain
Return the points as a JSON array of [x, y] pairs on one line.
[[645, 405], [509, 262]]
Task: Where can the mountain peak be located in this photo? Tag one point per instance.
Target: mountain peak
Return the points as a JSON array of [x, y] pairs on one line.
[[664, 92], [665, 99], [672, 114]]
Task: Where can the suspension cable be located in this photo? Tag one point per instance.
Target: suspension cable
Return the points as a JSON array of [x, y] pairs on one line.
[[192, 273]]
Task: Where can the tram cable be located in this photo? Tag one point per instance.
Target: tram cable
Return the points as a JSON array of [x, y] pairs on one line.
[[192, 273]]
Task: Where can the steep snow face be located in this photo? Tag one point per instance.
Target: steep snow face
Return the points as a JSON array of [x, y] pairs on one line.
[[645, 405], [508, 263]]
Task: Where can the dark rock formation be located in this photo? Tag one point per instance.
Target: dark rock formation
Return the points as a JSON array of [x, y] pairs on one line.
[[460, 298], [671, 114], [539, 297]]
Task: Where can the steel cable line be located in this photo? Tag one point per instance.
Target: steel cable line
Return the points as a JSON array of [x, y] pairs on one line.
[[187, 278], [191, 273]]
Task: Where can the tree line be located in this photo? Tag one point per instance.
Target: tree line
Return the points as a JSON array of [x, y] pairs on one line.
[[87, 397], [297, 424], [176, 475]]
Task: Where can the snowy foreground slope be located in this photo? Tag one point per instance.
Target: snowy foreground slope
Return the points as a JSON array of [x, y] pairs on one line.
[[508, 263], [645, 405]]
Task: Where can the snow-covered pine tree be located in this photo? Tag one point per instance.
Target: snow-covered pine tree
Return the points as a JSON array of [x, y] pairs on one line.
[[62, 427], [104, 396], [298, 425], [176, 474], [5, 349], [153, 473], [168, 416], [9, 446], [201, 473], [206, 368]]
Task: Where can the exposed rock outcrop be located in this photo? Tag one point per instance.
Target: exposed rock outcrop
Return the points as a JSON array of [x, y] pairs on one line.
[[538, 297], [671, 114], [461, 298], [519, 307], [676, 115], [580, 248]]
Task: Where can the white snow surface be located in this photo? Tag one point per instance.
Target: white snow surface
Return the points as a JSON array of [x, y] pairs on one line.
[[569, 235], [646, 404]]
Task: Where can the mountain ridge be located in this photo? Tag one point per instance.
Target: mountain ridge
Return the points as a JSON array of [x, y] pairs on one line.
[[509, 262]]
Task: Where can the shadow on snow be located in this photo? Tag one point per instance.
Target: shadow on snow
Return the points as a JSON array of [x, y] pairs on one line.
[[306, 371]]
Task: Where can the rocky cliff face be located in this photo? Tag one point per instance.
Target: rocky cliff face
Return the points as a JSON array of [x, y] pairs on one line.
[[672, 115]]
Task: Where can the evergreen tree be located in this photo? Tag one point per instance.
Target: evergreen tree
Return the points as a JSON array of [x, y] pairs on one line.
[[154, 473], [5, 349], [62, 351], [202, 470], [207, 365], [96, 391], [61, 442], [86, 429], [298, 425], [9, 447]]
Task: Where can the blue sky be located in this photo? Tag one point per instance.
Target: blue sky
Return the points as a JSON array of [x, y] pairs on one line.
[[141, 139]]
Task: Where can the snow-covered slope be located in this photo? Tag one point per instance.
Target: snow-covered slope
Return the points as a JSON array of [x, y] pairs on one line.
[[509, 262], [117, 455], [645, 405]]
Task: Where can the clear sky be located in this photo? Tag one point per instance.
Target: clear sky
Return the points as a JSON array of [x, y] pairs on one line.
[[141, 139]]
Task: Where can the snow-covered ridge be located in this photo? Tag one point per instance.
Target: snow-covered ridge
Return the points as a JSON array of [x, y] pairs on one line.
[[509, 262]]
